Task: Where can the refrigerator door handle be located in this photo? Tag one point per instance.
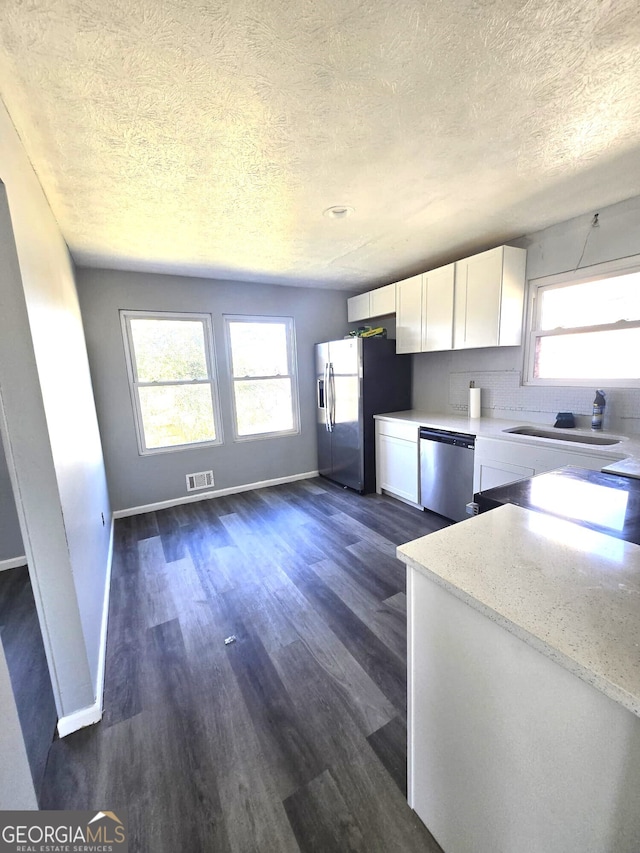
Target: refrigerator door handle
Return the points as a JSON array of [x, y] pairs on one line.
[[327, 399], [332, 412]]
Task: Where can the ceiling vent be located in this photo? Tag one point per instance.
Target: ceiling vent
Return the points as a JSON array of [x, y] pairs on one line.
[[199, 480]]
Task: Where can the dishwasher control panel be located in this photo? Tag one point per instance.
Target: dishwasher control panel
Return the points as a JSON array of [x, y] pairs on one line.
[[456, 439]]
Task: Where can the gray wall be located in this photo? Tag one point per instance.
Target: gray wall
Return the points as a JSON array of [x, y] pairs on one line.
[[10, 537], [49, 429], [441, 380], [136, 480]]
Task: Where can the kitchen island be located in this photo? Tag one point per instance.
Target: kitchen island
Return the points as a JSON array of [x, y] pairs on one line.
[[524, 685]]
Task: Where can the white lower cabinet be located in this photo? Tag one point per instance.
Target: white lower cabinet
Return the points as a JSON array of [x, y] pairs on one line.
[[490, 473], [507, 750], [397, 468], [498, 462]]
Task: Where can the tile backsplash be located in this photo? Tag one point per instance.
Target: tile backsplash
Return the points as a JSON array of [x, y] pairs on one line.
[[504, 397]]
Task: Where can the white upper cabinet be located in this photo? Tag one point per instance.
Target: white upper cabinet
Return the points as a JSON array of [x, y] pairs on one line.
[[424, 311], [383, 301], [374, 303], [489, 299], [437, 308], [476, 302], [358, 308], [409, 315]]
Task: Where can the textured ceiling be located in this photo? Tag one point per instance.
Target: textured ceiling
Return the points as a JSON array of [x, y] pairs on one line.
[[207, 138]]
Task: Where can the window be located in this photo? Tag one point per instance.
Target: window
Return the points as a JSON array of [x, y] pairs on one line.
[[265, 389], [172, 377], [585, 328]]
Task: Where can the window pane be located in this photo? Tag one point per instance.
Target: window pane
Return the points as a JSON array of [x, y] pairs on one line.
[[265, 405], [169, 350], [259, 349], [591, 303], [589, 355], [176, 414]]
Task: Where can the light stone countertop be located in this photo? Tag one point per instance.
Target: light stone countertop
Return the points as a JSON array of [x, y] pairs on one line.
[[568, 591], [628, 448]]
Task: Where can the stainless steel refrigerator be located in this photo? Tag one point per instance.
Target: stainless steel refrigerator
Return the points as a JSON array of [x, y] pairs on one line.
[[356, 378]]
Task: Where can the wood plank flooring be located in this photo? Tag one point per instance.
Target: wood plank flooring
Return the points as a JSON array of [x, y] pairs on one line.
[[27, 665], [293, 737]]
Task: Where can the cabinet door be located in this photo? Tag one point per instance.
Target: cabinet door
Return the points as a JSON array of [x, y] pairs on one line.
[[409, 315], [398, 467], [490, 474], [477, 312], [383, 301], [498, 462], [358, 308], [437, 309], [514, 265]]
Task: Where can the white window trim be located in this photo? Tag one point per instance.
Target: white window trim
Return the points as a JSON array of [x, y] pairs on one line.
[[293, 373], [584, 274], [129, 352]]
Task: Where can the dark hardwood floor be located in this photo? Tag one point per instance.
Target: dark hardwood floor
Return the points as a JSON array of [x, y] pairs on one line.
[[290, 738], [27, 665]]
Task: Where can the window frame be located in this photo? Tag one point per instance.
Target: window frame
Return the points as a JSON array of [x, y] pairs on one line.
[[292, 364], [584, 275], [134, 384]]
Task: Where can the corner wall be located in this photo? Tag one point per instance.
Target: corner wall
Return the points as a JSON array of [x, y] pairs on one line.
[[441, 380], [11, 547], [50, 431]]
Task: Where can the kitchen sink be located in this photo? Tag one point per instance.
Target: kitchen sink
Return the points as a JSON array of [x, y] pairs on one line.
[[581, 438]]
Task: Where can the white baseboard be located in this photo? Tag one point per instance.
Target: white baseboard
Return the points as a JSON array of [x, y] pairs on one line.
[[13, 563], [93, 713], [218, 493], [80, 719]]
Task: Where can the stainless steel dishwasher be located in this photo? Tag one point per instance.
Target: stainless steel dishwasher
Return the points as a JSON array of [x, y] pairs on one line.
[[446, 471]]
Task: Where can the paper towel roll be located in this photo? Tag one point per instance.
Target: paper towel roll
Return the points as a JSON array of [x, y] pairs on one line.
[[474, 402]]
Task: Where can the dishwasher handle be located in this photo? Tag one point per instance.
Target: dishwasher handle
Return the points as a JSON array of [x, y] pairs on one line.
[[456, 439]]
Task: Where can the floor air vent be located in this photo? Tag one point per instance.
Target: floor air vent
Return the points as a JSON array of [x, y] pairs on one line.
[[199, 480]]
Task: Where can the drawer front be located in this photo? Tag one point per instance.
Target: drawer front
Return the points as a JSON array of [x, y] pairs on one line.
[[399, 429]]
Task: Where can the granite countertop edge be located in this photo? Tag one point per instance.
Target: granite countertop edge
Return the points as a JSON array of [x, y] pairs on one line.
[[626, 453], [614, 691]]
